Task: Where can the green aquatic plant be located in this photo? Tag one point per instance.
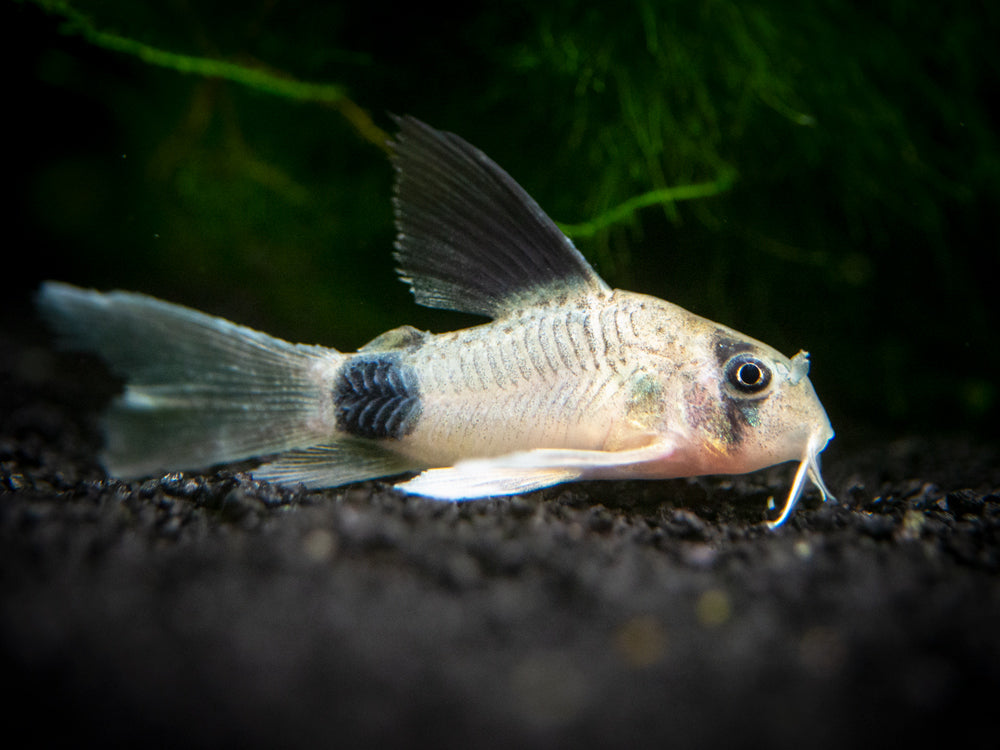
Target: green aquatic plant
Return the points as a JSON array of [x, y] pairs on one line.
[[662, 196], [255, 77]]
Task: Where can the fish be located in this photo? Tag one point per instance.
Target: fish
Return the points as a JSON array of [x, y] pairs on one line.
[[569, 380]]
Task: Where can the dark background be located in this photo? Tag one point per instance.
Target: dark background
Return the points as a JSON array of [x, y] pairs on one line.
[[861, 225], [859, 144]]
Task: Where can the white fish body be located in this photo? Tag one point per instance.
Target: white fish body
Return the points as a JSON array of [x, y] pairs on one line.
[[571, 380]]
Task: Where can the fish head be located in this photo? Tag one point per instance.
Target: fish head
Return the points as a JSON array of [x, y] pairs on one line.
[[747, 407]]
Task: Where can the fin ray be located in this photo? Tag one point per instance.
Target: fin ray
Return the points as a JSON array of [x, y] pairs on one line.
[[334, 464], [469, 237], [470, 481], [199, 390], [525, 471]]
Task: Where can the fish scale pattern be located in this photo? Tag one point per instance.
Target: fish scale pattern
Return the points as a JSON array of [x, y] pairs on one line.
[[376, 397]]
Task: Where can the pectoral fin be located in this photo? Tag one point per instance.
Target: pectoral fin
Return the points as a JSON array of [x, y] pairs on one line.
[[526, 471], [472, 480]]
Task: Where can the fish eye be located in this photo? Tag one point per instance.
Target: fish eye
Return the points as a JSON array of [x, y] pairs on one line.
[[748, 374]]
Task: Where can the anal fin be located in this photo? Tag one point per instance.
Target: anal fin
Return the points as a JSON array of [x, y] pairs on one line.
[[335, 464]]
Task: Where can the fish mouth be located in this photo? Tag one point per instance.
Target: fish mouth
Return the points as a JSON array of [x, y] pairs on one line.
[[808, 467]]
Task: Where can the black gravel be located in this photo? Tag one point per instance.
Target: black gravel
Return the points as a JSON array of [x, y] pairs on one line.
[[213, 610]]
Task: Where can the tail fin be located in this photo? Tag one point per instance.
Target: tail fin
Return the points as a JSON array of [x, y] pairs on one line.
[[199, 389]]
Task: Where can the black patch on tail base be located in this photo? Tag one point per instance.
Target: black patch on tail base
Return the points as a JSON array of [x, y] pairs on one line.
[[376, 396]]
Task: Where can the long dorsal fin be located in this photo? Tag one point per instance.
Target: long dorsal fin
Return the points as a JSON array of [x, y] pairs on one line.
[[469, 238]]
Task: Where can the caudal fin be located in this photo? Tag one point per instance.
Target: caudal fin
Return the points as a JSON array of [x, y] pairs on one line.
[[199, 389]]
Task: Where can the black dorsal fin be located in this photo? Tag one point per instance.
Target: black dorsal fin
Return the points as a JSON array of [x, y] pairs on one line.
[[469, 238]]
